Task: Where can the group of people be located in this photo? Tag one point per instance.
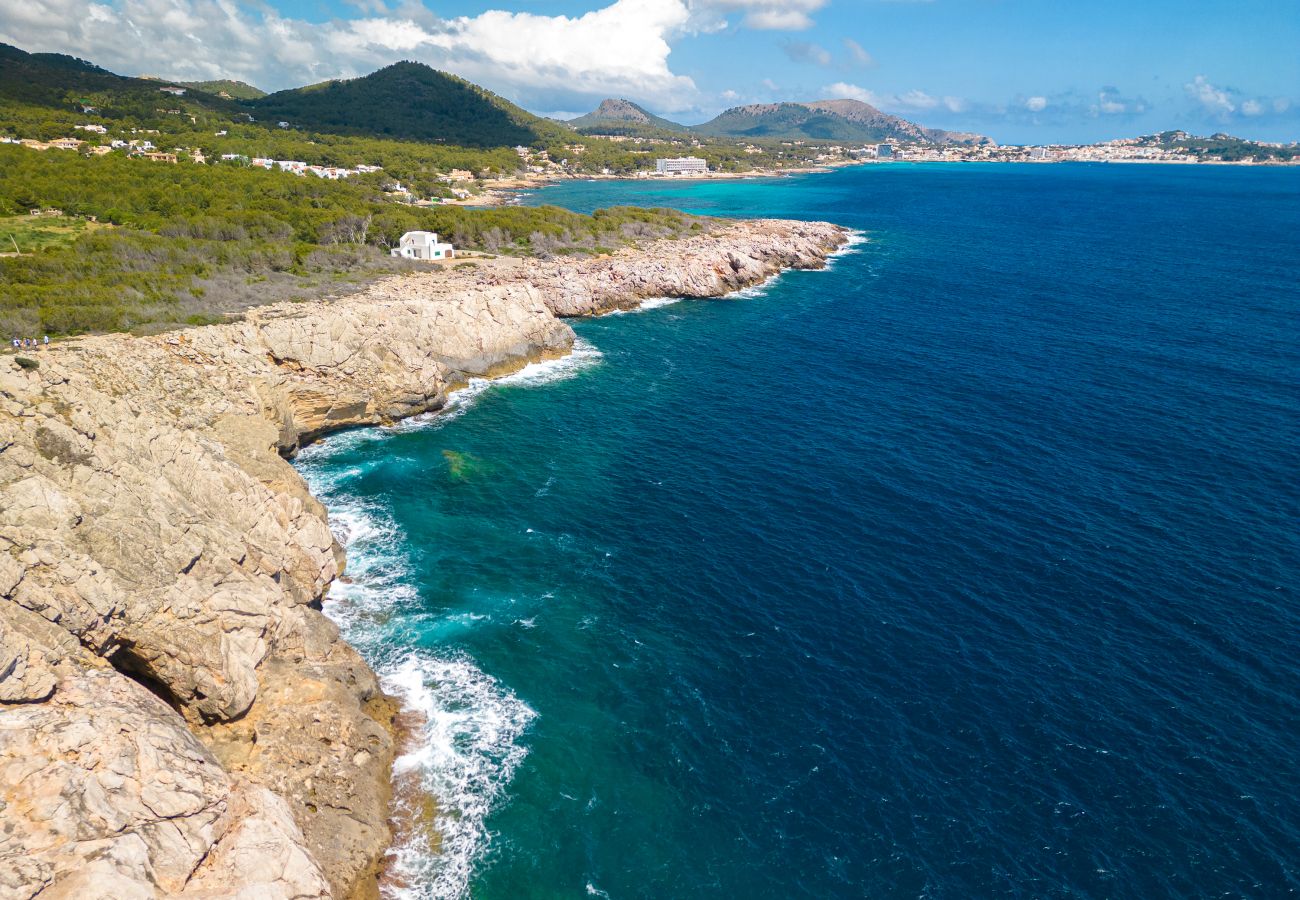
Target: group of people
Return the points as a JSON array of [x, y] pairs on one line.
[[29, 343]]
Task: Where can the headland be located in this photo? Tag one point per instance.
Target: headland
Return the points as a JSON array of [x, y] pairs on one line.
[[177, 715]]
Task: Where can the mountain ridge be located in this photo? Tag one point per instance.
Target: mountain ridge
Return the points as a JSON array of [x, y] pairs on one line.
[[843, 120]]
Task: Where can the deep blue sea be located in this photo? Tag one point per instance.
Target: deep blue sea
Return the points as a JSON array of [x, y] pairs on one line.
[[969, 567]]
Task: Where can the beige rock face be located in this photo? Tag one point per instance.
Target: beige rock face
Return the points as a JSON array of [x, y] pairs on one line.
[[177, 718]]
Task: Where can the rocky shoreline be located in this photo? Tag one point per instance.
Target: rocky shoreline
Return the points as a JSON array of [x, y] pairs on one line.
[[177, 716]]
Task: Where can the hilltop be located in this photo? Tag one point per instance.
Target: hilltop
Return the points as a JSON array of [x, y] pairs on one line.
[[617, 116], [826, 120], [409, 101]]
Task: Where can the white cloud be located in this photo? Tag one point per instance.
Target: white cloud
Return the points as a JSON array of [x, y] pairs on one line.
[[1213, 100], [804, 52], [1110, 102], [916, 100], [907, 102], [1252, 108], [1036, 104], [842, 90], [771, 15], [857, 53], [542, 61]]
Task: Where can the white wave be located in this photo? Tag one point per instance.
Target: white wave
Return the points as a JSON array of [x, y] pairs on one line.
[[851, 246], [469, 726], [757, 290], [658, 302], [645, 306], [468, 751], [584, 355]]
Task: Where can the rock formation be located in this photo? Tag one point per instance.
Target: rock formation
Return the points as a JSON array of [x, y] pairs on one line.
[[177, 717]]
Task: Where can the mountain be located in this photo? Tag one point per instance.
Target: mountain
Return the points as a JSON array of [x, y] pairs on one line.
[[826, 120], [237, 90], [408, 101], [405, 101], [45, 79], [622, 116]]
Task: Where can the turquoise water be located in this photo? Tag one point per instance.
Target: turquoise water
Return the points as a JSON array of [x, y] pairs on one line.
[[965, 568]]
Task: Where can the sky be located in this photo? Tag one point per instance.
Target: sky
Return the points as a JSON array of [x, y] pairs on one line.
[[1019, 71]]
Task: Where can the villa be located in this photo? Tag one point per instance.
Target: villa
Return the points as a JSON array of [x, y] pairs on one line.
[[423, 245]]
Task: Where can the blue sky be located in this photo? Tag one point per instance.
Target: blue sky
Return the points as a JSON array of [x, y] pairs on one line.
[[1021, 71]]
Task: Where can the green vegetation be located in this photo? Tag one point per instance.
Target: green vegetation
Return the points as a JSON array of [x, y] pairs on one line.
[[410, 101], [238, 90], [1220, 146], [145, 245], [194, 243], [28, 233]]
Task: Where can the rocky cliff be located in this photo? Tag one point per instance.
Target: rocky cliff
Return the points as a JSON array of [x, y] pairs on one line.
[[177, 717]]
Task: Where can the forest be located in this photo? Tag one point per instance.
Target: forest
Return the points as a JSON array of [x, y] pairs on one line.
[[188, 243]]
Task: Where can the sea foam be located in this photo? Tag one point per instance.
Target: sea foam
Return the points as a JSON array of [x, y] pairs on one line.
[[468, 728], [644, 306]]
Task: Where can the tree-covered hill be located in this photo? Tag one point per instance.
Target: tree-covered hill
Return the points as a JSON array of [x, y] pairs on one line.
[[614, 116], [237, 90], [825, 120], [409, 101]]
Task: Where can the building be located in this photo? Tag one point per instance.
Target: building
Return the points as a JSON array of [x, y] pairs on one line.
[[97, 129], [884, 151], [685, 165], [1038, 153], [174, 91], [423, 245]]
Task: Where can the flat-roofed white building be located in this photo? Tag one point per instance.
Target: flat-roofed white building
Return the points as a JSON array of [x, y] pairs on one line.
[[684, 165], [423, 245]]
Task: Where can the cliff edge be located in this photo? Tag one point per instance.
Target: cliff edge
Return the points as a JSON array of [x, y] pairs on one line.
[[177, 717]]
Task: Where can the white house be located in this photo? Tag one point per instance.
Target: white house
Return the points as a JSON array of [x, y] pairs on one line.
[[423, 245]]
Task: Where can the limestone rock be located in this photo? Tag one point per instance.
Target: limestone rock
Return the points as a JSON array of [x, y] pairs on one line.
[[177, 717]]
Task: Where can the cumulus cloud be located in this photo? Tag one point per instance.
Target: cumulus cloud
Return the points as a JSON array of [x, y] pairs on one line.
[[1213, 100], [542, 61], [1036, 104], [772, 15], [1225, 103]]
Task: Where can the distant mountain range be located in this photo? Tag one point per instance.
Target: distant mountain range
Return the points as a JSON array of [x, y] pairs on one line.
[[411, 101], [845, 121]]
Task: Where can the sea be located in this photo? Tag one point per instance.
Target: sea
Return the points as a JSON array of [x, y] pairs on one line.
[[966, 567]]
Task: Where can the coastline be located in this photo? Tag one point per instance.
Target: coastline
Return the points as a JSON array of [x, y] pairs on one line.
[[166, 566], [506, 194], [520, 186]]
